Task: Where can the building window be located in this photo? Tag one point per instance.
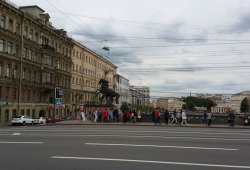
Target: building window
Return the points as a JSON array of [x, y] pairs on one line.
[[17, 50], [31, 35], [1, 45], [29, 55], [0, 92], [25, 53], [7, 93], [49, 61], [9, 48], [26, 32], [2, 21], [18, 28], [1, 67], [29, 95], [10, 26], [49, 78], [8, 70], [36, 37], [24, 72], [14, 94], [15, 72]]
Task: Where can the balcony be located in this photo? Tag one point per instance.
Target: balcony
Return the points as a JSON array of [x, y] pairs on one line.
[[48, 47]]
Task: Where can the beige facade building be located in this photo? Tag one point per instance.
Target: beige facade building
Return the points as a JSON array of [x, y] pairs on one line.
[[170, 103], [87, 69], [233, 103]]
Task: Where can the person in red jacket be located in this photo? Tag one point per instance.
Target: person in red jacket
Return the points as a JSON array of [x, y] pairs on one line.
[[105, 115], [157, 116]]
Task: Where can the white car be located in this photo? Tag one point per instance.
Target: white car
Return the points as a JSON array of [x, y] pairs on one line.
[[23, 120], [40, 120]]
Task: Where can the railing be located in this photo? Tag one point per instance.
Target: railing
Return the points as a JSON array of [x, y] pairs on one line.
[[48, 47]]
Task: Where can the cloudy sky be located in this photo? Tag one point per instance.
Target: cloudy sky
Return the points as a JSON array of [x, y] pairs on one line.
[[173, 46]]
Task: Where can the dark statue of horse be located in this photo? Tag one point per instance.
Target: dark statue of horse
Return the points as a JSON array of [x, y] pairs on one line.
[[108, 93]]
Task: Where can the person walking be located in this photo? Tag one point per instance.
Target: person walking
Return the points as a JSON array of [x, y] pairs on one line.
[[105, 115], [111, 115], [205, 118], [231, 118], [166, 116], [209, 119], [95, 115], [99, 116], [184, 118], [174, 119], [157, 116], [116, 115]]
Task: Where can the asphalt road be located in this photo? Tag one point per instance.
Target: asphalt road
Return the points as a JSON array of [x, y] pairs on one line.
[[123, 147]]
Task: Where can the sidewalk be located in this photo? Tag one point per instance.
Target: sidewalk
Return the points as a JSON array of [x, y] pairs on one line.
[[88, 122]]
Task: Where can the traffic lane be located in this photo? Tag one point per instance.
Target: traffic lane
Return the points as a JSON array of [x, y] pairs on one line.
[[76, 147], [137, 130], [73, 146], [221, 141], [175, 138], [149, 133], [153, 154]]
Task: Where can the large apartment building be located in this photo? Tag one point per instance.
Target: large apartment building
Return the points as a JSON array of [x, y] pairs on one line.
[[87, 69], [36, 58]]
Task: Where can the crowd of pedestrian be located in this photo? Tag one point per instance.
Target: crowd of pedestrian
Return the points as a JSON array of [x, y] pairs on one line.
[[101, 115], [176, 117]]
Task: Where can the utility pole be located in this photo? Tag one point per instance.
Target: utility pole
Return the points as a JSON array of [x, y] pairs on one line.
[[21, 67]]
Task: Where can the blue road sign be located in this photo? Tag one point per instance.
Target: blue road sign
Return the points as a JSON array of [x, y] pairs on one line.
[[58, 102]]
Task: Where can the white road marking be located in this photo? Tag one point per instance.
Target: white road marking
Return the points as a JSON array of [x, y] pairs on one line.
[[140, 136], [154, 162], [159, 146], [16, 134], [135, 131], [7, 142]]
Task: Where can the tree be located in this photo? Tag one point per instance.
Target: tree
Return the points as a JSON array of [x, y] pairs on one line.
[[192, 102], [190, 105], [125, 107], [244, 106]]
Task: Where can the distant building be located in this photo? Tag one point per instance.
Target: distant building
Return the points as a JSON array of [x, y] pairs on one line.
[[139, 95], [170, 103], [232, 103], [122, 89]]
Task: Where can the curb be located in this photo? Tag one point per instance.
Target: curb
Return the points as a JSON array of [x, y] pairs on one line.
[[147, 124]]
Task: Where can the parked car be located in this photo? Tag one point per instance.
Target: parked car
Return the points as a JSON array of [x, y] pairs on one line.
[[40, 120], [52, 120], [22, 120]]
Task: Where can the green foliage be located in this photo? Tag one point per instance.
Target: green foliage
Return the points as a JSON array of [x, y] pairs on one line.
[[244, 106], [190, 105], [192, 102], [125, 107]]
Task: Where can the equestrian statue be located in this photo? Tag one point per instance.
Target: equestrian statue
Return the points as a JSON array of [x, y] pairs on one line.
[[107, 93]]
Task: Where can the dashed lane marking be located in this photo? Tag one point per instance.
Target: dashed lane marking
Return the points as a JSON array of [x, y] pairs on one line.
[[160, 146], [152, 162]]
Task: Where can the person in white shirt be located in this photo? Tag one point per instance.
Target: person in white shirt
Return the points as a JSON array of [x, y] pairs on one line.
[[184, 118]]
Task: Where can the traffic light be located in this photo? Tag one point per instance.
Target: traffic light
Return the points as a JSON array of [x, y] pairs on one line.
[[58, 93]]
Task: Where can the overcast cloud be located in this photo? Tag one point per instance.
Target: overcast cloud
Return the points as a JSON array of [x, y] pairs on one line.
[[173, 46]]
